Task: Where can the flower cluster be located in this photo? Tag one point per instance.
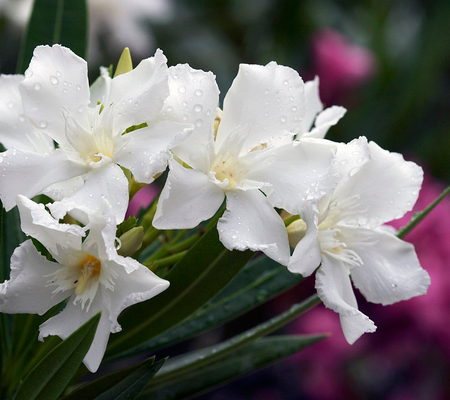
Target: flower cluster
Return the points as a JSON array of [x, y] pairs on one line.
[[264, 153]]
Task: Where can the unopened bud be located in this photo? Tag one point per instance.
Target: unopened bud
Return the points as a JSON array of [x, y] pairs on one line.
[[131, 241]]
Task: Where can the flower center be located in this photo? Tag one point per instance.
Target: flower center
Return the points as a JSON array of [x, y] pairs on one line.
[[228, 171], [90, 267]]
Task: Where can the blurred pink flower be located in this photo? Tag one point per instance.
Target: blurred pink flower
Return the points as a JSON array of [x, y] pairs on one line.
[[340, 64], [142, 199]]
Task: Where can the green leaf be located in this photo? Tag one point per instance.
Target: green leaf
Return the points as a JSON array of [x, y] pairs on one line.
[[205, 269], [191, 362], [256, 355], [259, 281], [55, 21], [51, 376], [419, 216], [10, 238], [124, 384]]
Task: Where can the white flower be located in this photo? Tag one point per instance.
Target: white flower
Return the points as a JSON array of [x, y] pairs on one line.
[[16, 131], [263, 103], [344, 234], [90, 131], [89, 273]]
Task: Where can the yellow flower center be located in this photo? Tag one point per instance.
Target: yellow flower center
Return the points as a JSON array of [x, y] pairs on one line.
[[90, 267]]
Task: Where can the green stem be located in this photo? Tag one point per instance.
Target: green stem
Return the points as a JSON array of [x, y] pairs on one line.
[[225, 348], [163, 262], [419, 216]]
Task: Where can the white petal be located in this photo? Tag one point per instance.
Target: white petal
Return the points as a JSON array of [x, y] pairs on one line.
[[387, 186], [39, 224], [335, 290], [390, 272], [250, 222], [187, 199], [29, 173], [313, 104], [133, 287], [100, 88], [60, 190], [351, 157], [71, 318], [15, 129], [325, 120], [138, 95], [270, 100], [145, 151], [28, 291], [194, 98], [108, 182], [299, 171], [307, 255], [102, 231], [56, 78]]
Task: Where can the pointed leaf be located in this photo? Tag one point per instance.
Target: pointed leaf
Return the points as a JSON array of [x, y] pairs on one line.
[[256, 355], [55, 21], [202, 273], [51, 376], [258, 282], [92, 390]]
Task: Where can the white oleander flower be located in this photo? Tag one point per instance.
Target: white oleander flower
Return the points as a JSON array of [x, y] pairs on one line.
[[89, 273], [90, 129], [263, 103], [344, 234]]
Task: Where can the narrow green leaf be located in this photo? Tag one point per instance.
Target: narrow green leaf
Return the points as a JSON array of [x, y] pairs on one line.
[[259, 281], [51, 22], [10, 238], [419, 216], [205, 270], [256, 355], [51, 376], [186, 364], [132, 386], [115, 384]]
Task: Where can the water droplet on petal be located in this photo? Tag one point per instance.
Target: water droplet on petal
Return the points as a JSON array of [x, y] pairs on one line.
[[78, 87], [54, 80], [199, 122], [182, 89], [198, 92], [28, 73], [198, 108], [43, 124], [37, 86], [283, 119]]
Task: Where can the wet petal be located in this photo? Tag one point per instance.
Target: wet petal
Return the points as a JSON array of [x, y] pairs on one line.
[[387, 187], [335, 290], [71, 318], [29, 173], [194, 98], [313, 104], [187, 199], [390, 271], [325, 120], [39, 224], [55, 79], [250, 222], [108, 182], [270, 100], [138, 95], [145, 151], [28, 290]]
